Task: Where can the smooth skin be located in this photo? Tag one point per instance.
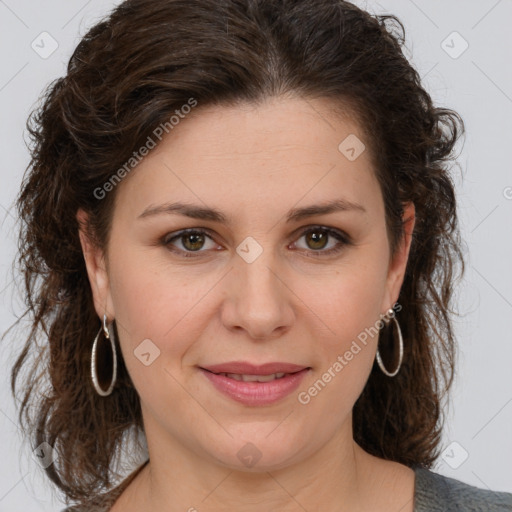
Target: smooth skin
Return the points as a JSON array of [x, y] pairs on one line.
[[295, 303]]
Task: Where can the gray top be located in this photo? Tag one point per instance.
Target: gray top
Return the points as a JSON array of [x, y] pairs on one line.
[[432, 493], [437, 493]]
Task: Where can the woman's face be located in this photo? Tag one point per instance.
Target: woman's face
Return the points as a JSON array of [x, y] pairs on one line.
[[268, 283]]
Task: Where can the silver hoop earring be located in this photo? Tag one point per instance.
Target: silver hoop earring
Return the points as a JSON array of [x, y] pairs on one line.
[[391, 313], [98, 378]]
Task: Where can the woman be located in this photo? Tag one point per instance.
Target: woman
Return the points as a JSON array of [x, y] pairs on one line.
[[240, 236]]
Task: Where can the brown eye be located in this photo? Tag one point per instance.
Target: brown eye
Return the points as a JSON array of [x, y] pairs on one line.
[[317, 239], [192, 241], [323, 241], [188, 242]]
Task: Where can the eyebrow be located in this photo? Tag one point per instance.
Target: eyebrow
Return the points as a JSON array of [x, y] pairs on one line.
[[213, 214]]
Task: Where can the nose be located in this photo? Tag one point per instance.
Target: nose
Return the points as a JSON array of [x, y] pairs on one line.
[[258, 300]]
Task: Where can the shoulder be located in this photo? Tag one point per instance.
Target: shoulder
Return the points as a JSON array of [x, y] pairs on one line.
[[436, 493]]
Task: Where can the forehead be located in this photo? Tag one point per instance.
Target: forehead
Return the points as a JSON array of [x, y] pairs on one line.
[[278, 124], [278, 152]]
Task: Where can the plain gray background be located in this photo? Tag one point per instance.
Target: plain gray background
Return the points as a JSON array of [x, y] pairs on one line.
[[475, 81]]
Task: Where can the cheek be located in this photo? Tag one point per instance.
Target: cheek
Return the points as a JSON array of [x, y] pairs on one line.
[[348, 310], [347, 301], [162, 305], [345, 352]]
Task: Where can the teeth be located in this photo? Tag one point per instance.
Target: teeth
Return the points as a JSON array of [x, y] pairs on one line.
[[254, 378]]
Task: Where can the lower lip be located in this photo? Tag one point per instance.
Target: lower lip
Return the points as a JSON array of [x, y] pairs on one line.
[[256, 393]]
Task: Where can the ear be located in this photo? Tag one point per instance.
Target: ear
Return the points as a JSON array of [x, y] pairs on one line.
[[398, 262], [95, 263]]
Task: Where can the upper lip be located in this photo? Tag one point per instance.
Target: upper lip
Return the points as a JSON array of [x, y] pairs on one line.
[[245, 368]]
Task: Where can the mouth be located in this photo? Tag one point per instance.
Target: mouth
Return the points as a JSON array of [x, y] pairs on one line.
[[255, 385]]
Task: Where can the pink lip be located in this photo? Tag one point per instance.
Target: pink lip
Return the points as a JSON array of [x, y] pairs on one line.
[[256, 393], [245, 368]]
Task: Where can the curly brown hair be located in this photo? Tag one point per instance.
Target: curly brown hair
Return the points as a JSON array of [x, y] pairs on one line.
[[127, 75]]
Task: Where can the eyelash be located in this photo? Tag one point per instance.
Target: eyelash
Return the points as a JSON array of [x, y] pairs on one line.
[[343, 240]]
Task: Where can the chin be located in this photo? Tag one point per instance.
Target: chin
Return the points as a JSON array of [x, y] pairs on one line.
[[259, 452]]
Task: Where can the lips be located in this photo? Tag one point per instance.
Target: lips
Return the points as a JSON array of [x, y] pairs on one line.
[[256, 389], [247, 369]]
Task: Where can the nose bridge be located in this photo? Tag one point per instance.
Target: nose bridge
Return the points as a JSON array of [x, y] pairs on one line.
[[255, 271], [259, 302], [259, 276]]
